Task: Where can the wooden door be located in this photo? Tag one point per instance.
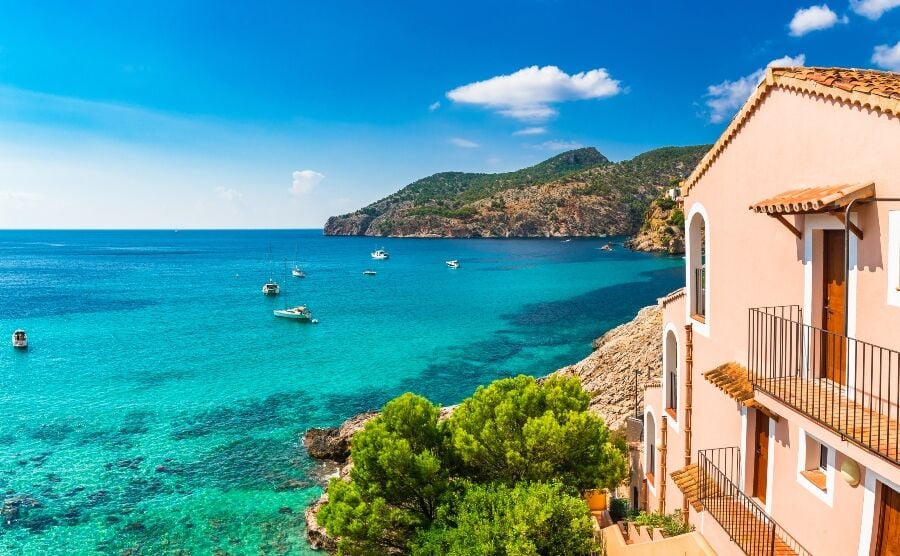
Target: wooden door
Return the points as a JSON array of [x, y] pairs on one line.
[[834, 291], [889, 524], [761, 457]]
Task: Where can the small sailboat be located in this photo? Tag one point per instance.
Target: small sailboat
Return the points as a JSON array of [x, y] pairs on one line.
[[271, 288], [297, 272], [453, 264], [369, 272], [380, 254], [20, 339], [300, 312]]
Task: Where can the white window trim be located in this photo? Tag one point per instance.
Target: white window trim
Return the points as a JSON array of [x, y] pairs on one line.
[[867, 522], [701, 328], [827, 222], [893, 259], [651, 486], [674, 424], [744, 453], [828, 495]]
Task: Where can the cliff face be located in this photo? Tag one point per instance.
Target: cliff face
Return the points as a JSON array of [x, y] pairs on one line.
[[662, 230], [579, 193], [608, 373]]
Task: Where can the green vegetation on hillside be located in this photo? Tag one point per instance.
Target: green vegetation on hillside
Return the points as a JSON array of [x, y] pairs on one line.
[[502, 475], [451, 190]]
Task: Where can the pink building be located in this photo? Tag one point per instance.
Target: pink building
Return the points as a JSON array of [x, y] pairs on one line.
[[775, 423]]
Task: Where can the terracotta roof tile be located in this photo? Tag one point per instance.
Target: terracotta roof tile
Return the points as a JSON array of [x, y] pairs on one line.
[[814, 199], [877, 90]]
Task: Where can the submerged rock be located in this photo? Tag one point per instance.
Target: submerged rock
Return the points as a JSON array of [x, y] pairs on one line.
[[333, 443]]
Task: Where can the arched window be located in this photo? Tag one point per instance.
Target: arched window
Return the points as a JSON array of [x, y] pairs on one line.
[[697, 266], [670, 372], [650, 448]]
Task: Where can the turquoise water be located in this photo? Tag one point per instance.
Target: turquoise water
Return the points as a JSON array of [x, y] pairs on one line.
[[160, 406]]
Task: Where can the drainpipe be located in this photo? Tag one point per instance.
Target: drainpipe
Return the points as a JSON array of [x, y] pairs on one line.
[[688, 406], [847, 248], [662, 466]]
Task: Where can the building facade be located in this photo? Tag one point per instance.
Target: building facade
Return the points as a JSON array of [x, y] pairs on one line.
[[775, 422]]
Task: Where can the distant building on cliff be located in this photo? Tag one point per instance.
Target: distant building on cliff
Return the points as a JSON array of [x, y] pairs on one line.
[[776, 422]]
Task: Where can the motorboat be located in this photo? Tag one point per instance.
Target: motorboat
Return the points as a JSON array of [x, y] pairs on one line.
[[453, 264], [607, 247], [380, 254], [297, 272], [271, 288], [20, 339], [301, 313], [369, 272]]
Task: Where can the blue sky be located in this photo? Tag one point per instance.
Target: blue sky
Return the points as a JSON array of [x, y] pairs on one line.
[[268, 114]]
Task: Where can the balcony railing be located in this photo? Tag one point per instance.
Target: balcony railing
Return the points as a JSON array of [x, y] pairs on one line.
[[847, 385], [748, 524]]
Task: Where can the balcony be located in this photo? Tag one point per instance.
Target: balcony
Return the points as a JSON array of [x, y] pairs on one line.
[[847, 385], [715, 479]]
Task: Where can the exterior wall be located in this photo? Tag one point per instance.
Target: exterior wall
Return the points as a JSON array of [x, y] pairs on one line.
[[793, 140]]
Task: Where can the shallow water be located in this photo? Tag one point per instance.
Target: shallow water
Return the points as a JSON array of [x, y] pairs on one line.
[[160, 404]]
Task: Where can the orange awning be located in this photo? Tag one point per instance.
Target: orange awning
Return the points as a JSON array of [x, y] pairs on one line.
[[814, 199]]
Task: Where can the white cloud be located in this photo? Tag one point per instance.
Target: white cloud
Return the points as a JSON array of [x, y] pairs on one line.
[[529, 93], [724, 99], [558, 145], [434, 106], [228, 194], [887, 57], [530, 131], [464, 143], [305, 181], [873, 8], [814, 18]]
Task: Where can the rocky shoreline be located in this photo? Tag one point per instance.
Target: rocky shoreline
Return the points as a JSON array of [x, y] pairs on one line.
[[627, 357]]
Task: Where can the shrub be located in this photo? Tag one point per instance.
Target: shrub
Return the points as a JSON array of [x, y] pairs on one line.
[[665, 203], [495, 519], [619, 509], [676, 218], [671, 524]]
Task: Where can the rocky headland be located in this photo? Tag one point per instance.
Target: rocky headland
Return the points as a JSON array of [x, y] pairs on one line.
[[626, 357], [579, 193], [662, 230]]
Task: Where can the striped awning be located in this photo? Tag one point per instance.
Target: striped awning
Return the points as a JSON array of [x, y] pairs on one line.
[[814, 199]]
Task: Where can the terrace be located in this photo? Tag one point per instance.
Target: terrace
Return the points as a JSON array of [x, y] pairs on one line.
[[847, 385]]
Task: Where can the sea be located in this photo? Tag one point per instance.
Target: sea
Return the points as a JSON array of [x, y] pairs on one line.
[[160, 406]]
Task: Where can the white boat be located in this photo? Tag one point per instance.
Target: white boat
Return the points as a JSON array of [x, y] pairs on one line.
[[297, 272], [380, 254], [368, 272], [301, 313], [453, 264], [271, 288], [19, 339]]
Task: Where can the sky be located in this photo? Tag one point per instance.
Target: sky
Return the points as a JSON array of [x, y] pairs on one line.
[[274, 114]]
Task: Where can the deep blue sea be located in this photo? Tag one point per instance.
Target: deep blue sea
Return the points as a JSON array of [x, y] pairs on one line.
[[160, 406]]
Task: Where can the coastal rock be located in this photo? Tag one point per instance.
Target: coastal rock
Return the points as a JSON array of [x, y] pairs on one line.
[[662, 230], [316, 535], [629, 352], [333, 443]]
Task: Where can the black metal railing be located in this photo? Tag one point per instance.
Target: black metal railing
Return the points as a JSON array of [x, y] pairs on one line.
[[850, 386], [699, 301], [748, 524]]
